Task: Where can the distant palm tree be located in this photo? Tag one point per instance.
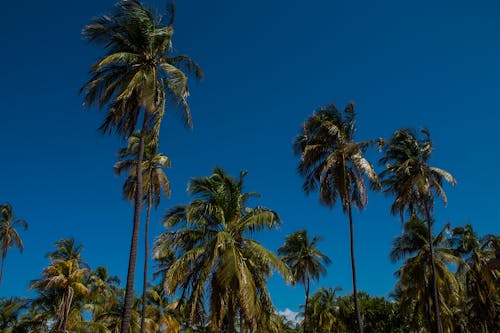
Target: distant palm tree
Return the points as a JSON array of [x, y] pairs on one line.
[[324, 309], [9, 236], [103, 286], [215, 258], [10, 313], [155, 183], [305, 260], [161, 312], [333, 163], [415, 291], [481, 296], [64, 278], [133, 79], [67, 249], [415, 184]]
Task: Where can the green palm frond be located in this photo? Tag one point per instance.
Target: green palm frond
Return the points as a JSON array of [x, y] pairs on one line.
[[214, 259]]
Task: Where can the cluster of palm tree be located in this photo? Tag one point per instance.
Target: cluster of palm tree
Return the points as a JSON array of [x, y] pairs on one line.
[[71, 297], [213, 273], [332, 162]]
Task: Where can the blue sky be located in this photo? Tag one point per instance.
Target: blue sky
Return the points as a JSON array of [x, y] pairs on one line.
[[268, 65]]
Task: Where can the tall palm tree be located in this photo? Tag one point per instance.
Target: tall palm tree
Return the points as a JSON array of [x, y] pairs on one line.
[[132, 80], [305, 260], [9, 236], [415, 184], [480, 292], [333, 163], [155, 183], [64, 279], [215, 258], [416, 295]]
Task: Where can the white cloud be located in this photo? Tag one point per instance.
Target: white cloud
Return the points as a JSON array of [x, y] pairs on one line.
[[290, 315]]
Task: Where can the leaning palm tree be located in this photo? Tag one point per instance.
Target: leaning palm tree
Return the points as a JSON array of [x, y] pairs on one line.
[[415, 292], [132, 80], [305, 260], [9, 236], [333, 163], [215, 258], [415, 184], [155, 183]]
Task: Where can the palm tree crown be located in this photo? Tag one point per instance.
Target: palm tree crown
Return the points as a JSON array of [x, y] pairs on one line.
[[155, 181], [408, 176], [303, 257], [9, 236], [215, 255], [331, 161], [137, 71]]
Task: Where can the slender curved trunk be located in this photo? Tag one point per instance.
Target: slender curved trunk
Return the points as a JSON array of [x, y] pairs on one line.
[[306, 307], [129, 291], [438, 324], [353, 267], [146, 260], [4, 254]]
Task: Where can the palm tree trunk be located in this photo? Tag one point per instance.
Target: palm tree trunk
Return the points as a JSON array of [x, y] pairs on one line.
[[146, 257], [429, 309], [129, 291], [231, 316], [63, 311], [306, 307], [4, 254], [439, 327], [353, 267], [242, 322]]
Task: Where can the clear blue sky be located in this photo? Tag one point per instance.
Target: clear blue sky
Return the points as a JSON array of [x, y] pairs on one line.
[[268, 65]]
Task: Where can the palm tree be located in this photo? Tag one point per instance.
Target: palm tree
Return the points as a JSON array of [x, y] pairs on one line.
[[67, 249], [480, 292], [324, 309], [9, 236], [305, 260], [65, 280], [10, 313], [155, 183], [415, 184], [161, 313], [415, 291], [215, 258], [332, 162], [132, 80]]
